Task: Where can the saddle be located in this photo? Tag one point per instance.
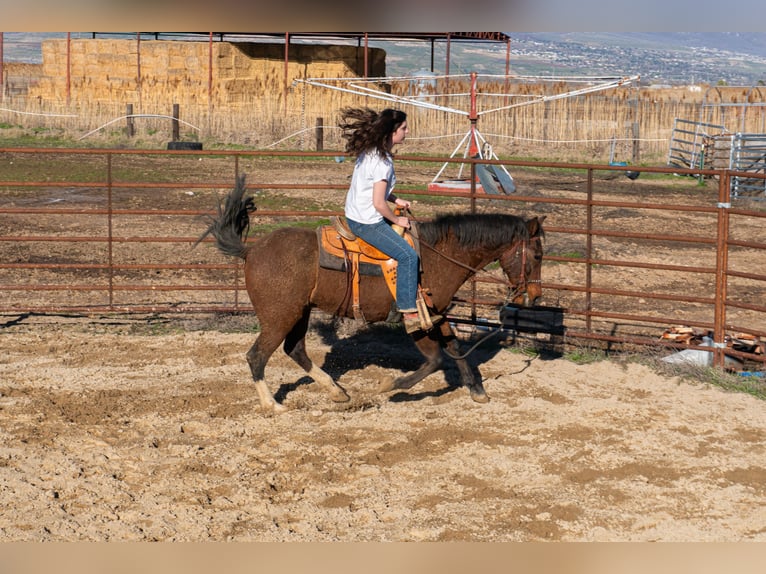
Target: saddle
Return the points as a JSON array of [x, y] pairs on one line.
[[341, 250]]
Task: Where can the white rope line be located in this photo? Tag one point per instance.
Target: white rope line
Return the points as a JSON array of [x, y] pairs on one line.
[[361, 91], [591, 89], [292, 135], [414, 78], [575, 141], [457, 135], [38, 113], [137, 116], [464, 135]]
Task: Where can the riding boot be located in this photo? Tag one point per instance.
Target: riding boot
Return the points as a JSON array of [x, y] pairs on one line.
[[394, 315]]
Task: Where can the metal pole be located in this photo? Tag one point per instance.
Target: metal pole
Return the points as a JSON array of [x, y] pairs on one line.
[[721, 267], [176, 136], [589, 253], [2, 83], [68, 67], [284, 90], [138, 69], [210, 76], [507, 69], [320, 134], [131, 128], [110, 254], [446, 69], [473, 116]]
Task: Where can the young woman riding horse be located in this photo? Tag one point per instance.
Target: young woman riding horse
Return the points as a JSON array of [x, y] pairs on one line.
[[370, 137], [285, 283]]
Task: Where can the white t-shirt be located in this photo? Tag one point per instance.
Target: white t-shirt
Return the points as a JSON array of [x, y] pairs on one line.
[[370, 168]]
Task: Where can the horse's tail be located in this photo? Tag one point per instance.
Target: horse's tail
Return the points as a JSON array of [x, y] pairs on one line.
[[232, 222]]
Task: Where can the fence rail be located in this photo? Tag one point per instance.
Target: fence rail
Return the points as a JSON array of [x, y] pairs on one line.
[[118, 240]]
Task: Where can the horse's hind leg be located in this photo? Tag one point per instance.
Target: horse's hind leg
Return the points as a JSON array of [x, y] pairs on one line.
[[257, 357], [295, 347]]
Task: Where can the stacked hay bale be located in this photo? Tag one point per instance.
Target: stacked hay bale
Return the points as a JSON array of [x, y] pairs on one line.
[[223, 76]]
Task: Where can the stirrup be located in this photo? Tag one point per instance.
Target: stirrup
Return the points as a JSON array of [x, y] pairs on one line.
[[427, 319], [412, 325]]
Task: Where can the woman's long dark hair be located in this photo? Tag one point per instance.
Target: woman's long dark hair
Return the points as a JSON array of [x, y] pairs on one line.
[[365, 129]]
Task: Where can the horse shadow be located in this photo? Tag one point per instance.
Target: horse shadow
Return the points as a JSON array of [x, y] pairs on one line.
[[387, 346]]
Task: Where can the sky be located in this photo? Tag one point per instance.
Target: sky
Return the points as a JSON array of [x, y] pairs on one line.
[[392, 15]]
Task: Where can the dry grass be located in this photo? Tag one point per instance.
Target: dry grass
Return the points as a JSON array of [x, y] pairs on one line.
[[250, 103]]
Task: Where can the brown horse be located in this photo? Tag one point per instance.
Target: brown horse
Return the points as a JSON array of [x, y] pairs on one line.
[[285, 282]]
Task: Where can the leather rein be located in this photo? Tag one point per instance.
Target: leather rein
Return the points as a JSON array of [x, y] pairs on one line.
[[513, 291]]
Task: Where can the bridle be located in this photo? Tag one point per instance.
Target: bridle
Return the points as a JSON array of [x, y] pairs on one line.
[[513, 290], [523, 284]]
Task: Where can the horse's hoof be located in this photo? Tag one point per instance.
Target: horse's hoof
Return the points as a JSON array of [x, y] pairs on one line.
[[278, 408], [388, 384], [482, 398], [340, 396]]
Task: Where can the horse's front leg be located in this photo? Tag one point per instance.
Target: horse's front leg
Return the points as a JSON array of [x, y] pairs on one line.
[[467, 377], [429, 344], [431, 350]]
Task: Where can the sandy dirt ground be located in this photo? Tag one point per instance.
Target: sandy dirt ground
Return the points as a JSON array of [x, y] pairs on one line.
[[123, 428], [115, 430]]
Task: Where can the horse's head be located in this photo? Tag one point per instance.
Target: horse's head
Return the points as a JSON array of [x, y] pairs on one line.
[[522, 263]]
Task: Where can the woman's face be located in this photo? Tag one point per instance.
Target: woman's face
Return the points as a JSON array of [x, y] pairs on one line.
[[400, 133]]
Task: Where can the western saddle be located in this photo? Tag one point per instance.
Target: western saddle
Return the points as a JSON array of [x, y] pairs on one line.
[[340, 249]]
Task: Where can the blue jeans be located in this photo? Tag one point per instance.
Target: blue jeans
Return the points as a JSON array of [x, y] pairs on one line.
[[382, 236]]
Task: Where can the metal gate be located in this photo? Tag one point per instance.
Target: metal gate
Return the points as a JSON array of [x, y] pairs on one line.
[[748, 154], [689, 141]]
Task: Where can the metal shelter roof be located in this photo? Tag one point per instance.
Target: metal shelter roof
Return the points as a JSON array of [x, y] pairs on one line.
[[362, 39]]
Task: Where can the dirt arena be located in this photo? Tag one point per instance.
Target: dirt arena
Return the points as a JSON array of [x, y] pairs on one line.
[[122, 428], [114, 431]]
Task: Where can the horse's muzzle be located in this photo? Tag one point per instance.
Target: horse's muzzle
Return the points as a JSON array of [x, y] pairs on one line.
[[525, 300]]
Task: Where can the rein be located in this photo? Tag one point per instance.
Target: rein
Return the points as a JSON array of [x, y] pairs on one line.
[[512, 291]]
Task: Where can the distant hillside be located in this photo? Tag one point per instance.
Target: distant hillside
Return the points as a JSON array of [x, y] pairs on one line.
[[734, 58], [658, 57]]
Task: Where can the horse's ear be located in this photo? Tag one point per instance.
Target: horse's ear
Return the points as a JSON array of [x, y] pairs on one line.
[[535, 225]]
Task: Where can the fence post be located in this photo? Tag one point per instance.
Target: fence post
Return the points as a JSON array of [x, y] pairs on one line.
[[320, 134], [2, 71], [589, 254], [131, 128], [721, 267], [636, 141], [176, 131]]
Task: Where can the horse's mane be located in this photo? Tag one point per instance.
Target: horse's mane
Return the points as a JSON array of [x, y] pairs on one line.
[[473, 230]]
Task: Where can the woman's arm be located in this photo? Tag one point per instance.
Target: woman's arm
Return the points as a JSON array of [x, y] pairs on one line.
[[381, 205], [398, 201]]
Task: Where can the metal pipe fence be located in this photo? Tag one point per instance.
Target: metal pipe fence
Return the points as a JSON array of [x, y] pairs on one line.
[[119, 239]]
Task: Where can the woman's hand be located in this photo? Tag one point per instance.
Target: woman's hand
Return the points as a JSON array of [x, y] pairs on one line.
[[402, 203], [403, 222]]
